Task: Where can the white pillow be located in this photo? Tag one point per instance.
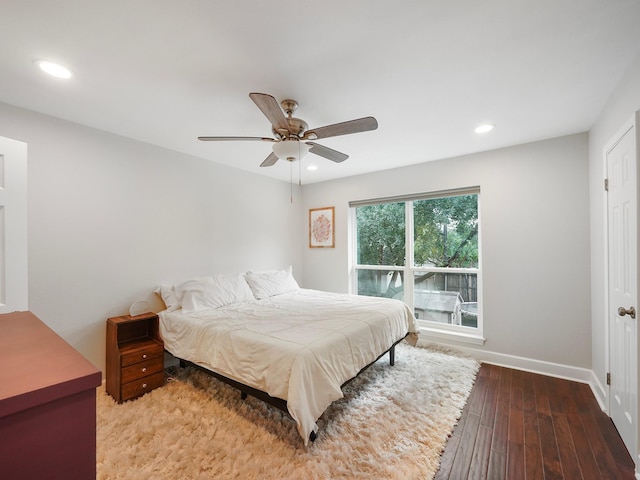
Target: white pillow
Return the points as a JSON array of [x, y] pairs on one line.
[[205, 293], [169, 297], [267, 284]]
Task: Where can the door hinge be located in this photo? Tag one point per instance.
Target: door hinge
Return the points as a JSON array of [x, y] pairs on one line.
[[608, 378], [606, 184]]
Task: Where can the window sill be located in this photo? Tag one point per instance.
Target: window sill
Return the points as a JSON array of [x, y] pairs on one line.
[[440, 334]]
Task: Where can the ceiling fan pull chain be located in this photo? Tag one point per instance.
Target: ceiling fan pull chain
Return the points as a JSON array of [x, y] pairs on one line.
[[299, 166]]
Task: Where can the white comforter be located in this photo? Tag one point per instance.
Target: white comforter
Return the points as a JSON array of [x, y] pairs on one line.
[[300, 346]]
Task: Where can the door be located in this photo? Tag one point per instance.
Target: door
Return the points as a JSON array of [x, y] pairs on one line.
[[13, 226], [622, 222]]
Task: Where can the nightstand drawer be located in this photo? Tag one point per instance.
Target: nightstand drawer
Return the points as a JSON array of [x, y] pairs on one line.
[[142, 369], [142, 386], [142, 352]]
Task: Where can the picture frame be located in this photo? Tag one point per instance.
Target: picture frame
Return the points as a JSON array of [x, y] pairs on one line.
[[322, 227]]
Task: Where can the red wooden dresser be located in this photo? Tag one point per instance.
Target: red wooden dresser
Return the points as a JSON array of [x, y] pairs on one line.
[[47, 403]]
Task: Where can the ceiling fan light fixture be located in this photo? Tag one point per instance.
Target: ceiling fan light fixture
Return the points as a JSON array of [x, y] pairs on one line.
[[290, 150]]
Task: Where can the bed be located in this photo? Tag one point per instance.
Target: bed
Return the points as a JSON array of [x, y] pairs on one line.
[[267, 336]]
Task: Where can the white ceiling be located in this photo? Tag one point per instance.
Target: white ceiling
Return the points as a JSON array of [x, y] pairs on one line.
[[165, 72]]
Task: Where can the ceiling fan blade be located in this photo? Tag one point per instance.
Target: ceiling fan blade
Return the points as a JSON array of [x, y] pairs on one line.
[[326, 152], [271, 110], [352, 126], [270, 160], [224, 139]]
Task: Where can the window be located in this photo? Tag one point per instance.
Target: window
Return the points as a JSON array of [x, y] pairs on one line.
[[432, 239]]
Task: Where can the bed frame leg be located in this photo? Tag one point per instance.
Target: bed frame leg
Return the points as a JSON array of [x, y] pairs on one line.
[[392, 356], [313, 436], [243, 395]]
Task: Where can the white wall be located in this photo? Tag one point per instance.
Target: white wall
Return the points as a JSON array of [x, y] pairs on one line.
[[111, 218], [621, 105], [535, 241]]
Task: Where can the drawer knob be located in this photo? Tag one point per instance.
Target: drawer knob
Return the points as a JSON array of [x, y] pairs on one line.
[[144, 385], [144, 355], [144, 369]]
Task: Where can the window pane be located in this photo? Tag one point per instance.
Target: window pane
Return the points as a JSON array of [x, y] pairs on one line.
[[381, 283], [446, 297], [437, 250], [381, 234], [446, 232]]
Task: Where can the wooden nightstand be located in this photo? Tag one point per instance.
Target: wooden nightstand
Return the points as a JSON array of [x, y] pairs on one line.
[[135, 356]]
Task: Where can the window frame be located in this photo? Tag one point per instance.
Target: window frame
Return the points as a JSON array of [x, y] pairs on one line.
[[436, 330]]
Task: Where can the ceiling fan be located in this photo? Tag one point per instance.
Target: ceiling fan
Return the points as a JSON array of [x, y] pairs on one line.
[[293, 136]]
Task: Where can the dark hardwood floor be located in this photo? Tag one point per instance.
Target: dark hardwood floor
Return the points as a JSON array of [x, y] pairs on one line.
[[522, 426]]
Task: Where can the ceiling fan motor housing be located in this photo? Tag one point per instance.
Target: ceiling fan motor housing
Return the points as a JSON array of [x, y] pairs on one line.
[[297, 127]]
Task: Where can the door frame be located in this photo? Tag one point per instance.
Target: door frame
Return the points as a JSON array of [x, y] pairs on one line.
[[14, 283], [631, 122]]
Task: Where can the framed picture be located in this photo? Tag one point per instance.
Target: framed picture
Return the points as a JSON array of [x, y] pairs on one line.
[[321, 231]]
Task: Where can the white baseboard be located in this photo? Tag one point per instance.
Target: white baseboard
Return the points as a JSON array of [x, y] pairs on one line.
[[599, 391]]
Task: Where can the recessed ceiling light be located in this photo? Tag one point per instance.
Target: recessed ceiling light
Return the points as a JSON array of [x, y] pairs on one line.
[[312, 167], [53, 69], [484, 128]]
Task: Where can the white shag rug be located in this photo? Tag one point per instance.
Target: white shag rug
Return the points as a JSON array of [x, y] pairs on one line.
[[393, 423]]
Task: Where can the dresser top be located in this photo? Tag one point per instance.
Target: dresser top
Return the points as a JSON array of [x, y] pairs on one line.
[[38, 366]]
